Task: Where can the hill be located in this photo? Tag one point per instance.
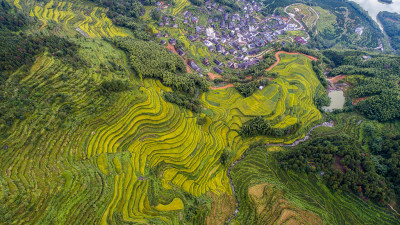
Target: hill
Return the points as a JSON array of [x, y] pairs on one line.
[[102, 123]]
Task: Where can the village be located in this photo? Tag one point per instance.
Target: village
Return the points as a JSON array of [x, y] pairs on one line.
[[243, 36]]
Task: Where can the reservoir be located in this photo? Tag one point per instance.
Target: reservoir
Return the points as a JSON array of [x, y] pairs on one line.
[[373, 7], [337, 101]]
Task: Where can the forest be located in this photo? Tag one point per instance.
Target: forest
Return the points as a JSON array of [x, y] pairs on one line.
[[247, 89], [150, 60], [391, 25], [124, 13], [260, 126], [342, 163], [19, 50], [375, 78]]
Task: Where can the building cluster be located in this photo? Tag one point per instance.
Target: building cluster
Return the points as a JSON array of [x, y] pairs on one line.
[[241, 35]]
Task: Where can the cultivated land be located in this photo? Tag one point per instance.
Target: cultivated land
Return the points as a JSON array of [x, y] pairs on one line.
[[283, 197], [135, 158], [93, 24], [121, 148]]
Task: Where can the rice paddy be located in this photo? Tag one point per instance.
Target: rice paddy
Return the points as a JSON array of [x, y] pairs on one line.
[[114, 152], [179, 5], [135, 158], [90, 23], [268, 194], [287, 99]]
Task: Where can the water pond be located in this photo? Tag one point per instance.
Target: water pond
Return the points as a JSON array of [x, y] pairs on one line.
[[373, 7], [337, 101]]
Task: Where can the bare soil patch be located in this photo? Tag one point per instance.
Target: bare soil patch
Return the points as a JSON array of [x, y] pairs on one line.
[[336, 79], [172, 48], [223, 87], [257, 191], [213, 76], [357, 100]]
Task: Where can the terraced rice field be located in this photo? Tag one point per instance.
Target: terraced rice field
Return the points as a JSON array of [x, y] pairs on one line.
[[179, 5], [268, 194], [91, 23], [118, 152], [44, 174], [149, 134], [287, 100], [142, 159]]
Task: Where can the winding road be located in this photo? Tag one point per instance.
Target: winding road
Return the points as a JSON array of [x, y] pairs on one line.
[[278, 58], [292, 17]]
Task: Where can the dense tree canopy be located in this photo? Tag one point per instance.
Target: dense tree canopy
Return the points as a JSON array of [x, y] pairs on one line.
[[247, 89], [391, 25], [260, 126], [343, 163], [377, 80], [151, 60]]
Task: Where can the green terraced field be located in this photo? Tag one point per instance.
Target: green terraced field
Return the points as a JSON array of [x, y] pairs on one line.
[[286, 100], [91, 22], [179, 5], [119, 149], [285, 196], [134, 158]]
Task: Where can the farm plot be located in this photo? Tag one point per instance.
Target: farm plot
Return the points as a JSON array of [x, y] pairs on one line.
[[158, 133], [142, 159], [90, 24], [306, 13], [44, 174], [288, 99], [178, 6], [268, 194]]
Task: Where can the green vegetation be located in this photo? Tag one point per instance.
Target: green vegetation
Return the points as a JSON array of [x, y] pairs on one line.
[[374, 78], [378, 144], [268, 194], [344, 166], [390, 23], [114, 86], [247, 89], [99, 124], [183, 100], [153, 61], [336, 25], [259, 126], [149, 59]]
